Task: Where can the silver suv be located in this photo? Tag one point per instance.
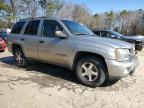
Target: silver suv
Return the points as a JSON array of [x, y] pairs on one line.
[[67, 43]]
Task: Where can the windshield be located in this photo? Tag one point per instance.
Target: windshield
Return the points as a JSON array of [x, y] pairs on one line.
[[117, 34], [77, 28]]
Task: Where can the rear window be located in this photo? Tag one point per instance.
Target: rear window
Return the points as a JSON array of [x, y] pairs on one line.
[[18, 27], [32, 27]]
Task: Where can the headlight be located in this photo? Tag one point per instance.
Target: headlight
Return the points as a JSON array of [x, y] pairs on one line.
[[122, 54]]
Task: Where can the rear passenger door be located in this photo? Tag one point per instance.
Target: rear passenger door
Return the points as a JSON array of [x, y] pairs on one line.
[[29, 39], [15, 34]]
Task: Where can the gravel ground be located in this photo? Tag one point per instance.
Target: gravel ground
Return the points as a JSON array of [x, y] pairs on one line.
[[42, 85]]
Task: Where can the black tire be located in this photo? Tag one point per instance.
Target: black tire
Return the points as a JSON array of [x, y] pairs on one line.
[[102, 76], [138, 46], [22, 63]]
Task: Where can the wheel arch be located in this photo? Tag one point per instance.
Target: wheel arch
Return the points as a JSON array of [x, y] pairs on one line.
[[81, 54], [16, 46]]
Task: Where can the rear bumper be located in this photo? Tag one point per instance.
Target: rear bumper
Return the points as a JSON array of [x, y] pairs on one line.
[[118, 70]]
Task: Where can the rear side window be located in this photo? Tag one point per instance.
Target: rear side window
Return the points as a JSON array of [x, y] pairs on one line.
[[32, 27], [18, 27]]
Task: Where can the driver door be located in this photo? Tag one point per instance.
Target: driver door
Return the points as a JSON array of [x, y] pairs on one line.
[[51, 48]]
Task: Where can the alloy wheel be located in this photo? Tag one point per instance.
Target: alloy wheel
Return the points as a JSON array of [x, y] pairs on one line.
[[89, 71]]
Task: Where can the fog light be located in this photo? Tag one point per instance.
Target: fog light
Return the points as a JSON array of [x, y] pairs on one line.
[[126, 71]]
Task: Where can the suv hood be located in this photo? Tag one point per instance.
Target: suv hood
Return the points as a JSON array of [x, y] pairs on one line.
[[107, 42]]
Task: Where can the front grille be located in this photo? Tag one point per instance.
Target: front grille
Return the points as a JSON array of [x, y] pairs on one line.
[[132, 52]]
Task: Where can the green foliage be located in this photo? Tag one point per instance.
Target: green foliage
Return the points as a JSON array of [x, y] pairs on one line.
[[5, 7], [124, 13], [96, 16], [43, 3], [110, 15], [6, 12], [50, 6]]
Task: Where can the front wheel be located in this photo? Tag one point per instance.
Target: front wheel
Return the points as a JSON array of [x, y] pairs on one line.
[[19, 58], [91, 71], [138, 46]]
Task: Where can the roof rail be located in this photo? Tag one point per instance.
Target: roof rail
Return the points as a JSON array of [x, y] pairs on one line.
[[38, 17]]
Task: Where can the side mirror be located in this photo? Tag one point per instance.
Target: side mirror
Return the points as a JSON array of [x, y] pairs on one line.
[[60, 34], [113, 36]]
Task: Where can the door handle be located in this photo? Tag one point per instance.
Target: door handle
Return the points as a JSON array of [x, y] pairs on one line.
[[41, 42]]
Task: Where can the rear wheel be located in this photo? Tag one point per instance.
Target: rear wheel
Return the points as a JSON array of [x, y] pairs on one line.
[[19, 58], [91, 71]]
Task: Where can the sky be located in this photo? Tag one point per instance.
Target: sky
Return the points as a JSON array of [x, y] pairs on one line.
[[100, 6]]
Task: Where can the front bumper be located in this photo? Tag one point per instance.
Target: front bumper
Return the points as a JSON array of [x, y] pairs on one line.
[[118, 70]]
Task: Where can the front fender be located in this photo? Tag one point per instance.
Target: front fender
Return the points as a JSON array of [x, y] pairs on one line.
[[106, 53]]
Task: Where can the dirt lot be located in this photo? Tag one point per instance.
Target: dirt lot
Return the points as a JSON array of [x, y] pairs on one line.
[[46, 86]]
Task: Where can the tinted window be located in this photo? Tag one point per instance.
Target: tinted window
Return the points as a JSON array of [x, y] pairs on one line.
[[110, 35], [32, 27], [97, 33], [49, 28], [17, 27], [103, 34]]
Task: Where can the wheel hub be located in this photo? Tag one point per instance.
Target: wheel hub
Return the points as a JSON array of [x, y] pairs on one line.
[[89, 71], [18, 57]]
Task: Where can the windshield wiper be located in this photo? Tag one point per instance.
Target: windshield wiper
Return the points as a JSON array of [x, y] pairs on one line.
[[83, 34], [80, 34]]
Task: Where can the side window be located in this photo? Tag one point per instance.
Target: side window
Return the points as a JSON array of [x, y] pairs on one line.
[[49, 28], [97, 33], [110, 35], [32, 27], [103, 34], [18, 27]]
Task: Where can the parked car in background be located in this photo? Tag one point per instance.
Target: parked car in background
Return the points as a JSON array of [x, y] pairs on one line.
[[137, 40], [67, 43], [2, 45], [4, 33]]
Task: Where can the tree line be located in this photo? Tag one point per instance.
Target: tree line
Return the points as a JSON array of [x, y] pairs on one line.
[[126, 22]]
